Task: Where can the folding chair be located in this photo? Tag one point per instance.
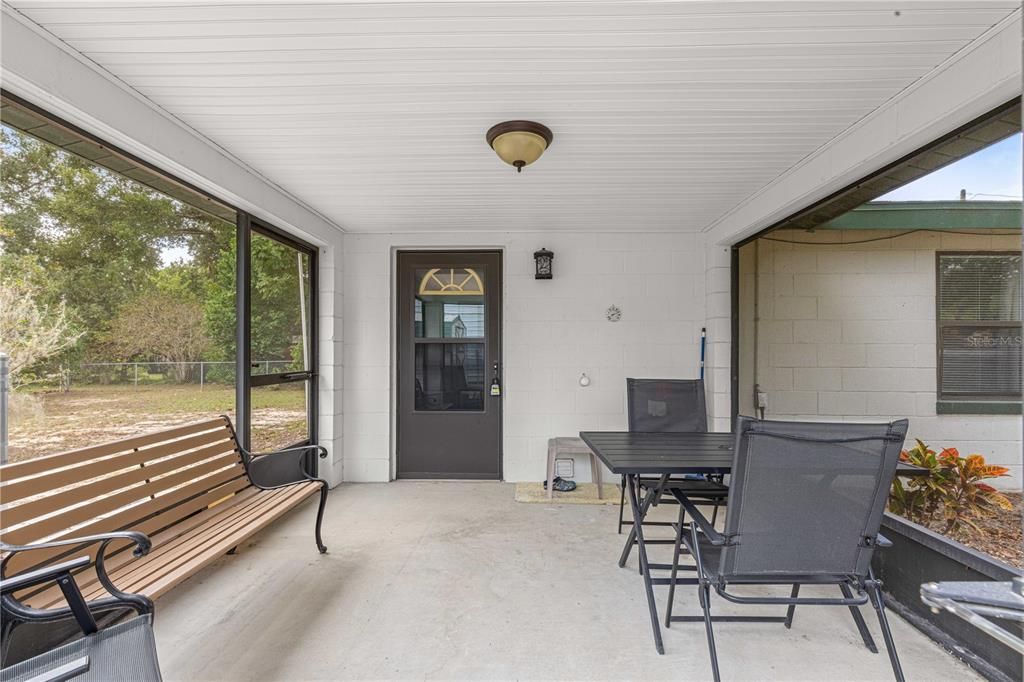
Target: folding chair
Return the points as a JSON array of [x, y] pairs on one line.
[[670, 405], [805, 506]]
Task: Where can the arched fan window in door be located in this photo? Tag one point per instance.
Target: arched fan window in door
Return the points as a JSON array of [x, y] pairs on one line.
[[451, 282]]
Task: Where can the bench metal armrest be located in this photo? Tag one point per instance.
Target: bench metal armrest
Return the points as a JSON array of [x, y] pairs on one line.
[[41, 576], [281, 468], [299, 448], [713, 536], [141, 541], [271, 470], [63, 575]]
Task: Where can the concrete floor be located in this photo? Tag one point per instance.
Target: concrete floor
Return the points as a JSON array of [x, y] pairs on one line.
[[445, 580]]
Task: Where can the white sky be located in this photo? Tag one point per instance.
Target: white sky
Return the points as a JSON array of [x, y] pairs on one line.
[[991, 174], [174, 255]]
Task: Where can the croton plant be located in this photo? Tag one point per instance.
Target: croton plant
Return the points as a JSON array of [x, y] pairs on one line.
[[952, 493]]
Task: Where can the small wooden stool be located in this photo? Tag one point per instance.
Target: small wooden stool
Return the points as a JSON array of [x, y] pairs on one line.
[[572, 446]]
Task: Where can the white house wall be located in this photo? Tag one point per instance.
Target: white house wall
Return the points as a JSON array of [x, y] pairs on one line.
[[848, 333], [553, 331]]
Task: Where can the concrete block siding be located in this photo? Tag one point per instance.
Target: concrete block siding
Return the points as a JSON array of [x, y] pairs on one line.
[[848, 332], [331, 370], [553, 331]]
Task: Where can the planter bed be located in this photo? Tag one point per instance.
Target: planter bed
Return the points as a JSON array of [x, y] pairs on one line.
[[998, 533], [919, 555]]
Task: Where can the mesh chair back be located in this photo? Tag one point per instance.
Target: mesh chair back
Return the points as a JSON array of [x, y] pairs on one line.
[[808, 498], [660, 405]]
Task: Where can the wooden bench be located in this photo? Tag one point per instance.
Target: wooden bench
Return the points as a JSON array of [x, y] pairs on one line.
[[192, 490]]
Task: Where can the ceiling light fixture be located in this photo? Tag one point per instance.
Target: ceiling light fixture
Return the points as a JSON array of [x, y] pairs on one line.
[[519, 143]]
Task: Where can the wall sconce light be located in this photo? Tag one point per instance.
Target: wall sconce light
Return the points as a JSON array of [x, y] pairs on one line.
[[543, 260]]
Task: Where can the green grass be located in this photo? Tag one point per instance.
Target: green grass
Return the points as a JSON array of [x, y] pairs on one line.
[[165, 399]]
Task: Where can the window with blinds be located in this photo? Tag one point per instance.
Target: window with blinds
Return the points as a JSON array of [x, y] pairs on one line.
[[979, 325]]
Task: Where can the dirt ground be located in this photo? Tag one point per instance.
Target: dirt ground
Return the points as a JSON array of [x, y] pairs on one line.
[[47, 422], [1000, 535]]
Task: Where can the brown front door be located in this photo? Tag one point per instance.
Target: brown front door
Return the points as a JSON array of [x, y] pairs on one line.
[[449, 364]]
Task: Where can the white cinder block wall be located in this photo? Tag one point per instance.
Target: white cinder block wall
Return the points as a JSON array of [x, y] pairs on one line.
[[553, 331], [330, 380], [718, 356], [848, 332]]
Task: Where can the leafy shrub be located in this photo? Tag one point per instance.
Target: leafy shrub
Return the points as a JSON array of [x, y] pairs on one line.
[[953, 490], [921, 496]]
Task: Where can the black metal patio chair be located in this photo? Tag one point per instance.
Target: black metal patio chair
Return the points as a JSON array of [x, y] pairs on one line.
[[805, 506], [104, 640], [665, 406]]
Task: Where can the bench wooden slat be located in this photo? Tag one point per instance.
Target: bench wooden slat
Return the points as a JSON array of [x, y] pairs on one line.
[[102, 487], [297, 495], [217, 535], [73, 517], [54, 482], [89, 583], [165, 544], [47, 463], [154, 515], [185, 548]]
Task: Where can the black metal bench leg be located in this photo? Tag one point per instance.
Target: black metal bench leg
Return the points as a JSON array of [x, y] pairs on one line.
[[320, 517], [680, 529], [638, 517], [792, 607], [878, 601], [862, 627]]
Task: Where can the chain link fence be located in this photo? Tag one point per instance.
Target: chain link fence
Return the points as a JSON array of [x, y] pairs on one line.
[[163, 373]]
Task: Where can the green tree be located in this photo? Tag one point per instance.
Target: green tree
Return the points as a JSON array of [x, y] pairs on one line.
[[164, 325], [100, 237], [275, 310]]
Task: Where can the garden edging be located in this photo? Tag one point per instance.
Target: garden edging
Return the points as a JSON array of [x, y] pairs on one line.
[[920, 555]]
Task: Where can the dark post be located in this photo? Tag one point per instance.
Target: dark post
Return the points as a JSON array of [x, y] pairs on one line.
[[243, 326], [734, 347]]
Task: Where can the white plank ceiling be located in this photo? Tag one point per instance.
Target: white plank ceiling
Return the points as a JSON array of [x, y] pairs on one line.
[[665, 114]]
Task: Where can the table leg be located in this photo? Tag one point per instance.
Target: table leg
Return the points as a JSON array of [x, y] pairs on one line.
[[634, 482], [638, 516]]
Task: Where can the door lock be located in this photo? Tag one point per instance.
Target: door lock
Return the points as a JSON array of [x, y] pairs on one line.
[[496, 382]]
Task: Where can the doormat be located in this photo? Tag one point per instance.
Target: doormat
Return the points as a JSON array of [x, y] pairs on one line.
[[585, 493]]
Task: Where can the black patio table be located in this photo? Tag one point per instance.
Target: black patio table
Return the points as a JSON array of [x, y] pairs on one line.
[[635, 454]]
